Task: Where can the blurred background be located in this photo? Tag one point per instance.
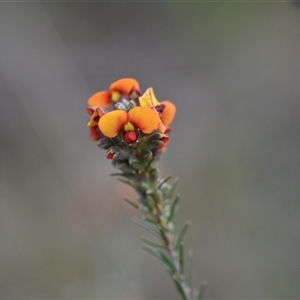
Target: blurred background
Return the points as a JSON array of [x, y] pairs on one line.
[[233, 71]]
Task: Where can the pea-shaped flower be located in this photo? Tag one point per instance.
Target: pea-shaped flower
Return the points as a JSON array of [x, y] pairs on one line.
[[124, 86], [138, 118]]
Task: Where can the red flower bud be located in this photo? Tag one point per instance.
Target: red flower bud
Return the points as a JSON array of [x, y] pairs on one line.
[[110, 155], [130, 137], [165, 139], [168, 130]]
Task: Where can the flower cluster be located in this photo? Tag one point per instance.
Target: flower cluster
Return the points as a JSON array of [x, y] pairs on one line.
[[130, 124]]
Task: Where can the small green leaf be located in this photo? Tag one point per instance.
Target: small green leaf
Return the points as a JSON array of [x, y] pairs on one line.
[[170, 195], [136, 206], [153, 138], [154, 174], [129, 176], [134, 162], [180, 288], [173, 209], [149, 163], [146, 156], [188, 275], [164, 181], [159, 256], [117, 174], [150, 221], [123, 166], [164, 237], [151, 243], [168, 262], [155, 144], [105, 143], [175, 215], [152, 251], [121, 154], [146, 226], [202, 290], [182, 234], [181, 258], [143, 208], [128, 182]]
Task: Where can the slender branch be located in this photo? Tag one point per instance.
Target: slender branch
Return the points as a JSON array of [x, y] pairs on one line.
[[160, 215]]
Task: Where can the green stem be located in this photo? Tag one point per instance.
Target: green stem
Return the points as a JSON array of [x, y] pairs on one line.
[[166, 232], [173, 255], [155, 201]]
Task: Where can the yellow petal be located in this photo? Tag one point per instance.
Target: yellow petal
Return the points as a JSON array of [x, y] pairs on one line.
[[153, 97], [112, 123], [145, 100], [148, 99], [124, 86], [168, 113], [100, 99], [143, 118]]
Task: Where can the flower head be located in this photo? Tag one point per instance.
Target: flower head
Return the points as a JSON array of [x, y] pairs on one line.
[[135, 122], [125, 86]]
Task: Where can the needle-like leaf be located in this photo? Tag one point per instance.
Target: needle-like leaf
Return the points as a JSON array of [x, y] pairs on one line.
[[130, 202], [188, 275], [181, 258], [150, 221], [202, 290], [171, 192], [164, 181], [128, 182], [168, 262], [151, 243], [164, 237], [182, 234], [152, 251], [173, 209], [180, 288], [160, 255], [146, 226]]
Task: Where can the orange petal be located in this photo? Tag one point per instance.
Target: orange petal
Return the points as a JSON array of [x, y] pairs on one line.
[[113, 122], [161, 127], [100, 99], [124, 86], [168, 113], [143, 118]]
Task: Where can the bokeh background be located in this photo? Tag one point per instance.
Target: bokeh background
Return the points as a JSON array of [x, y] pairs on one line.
[[233, 71]]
